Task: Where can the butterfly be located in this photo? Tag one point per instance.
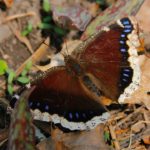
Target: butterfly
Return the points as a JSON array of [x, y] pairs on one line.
[[106, 64]]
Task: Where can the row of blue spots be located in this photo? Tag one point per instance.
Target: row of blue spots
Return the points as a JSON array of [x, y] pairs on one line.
[[126, 78], [127, 25], [76, 116], [80, 116], [39, 105], [126, 73], [127, 28], [123, 37], [125, 21], [72, 116]]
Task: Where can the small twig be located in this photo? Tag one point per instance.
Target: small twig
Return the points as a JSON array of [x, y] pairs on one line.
[[4, 135], [129, 116], [22, 38], [10, 18], [116, 143], [145, 116], [5, 56], [140, 122], [1, 143]]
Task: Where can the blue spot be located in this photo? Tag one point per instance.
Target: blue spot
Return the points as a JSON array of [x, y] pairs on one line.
[[30, 104], [123, 50], [122, 42], [38, 104], [128, 26], [126, 70], [70, 115], [123, 35], [77, 115], [125, 22], [127, 30], [46, 107], [124, 80], [126, 75]]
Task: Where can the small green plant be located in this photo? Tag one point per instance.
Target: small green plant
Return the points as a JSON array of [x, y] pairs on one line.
[[11, 75], [45, 26], [27, 30], [3, 66], [106, 136], [23, 79], [46, 6]]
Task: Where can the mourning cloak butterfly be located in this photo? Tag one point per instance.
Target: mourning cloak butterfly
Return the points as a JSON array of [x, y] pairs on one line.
[[106, 64]]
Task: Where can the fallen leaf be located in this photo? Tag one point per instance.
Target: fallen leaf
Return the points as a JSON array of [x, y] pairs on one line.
[[86, 140], [71, 16], [8, 3], [119, 10], [146, 139]]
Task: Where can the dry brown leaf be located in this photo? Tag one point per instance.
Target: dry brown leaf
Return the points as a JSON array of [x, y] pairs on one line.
[[146, 139], [121, 131], [47, 144], [143, 16], [86, 140], [138, 127], [8, 3]]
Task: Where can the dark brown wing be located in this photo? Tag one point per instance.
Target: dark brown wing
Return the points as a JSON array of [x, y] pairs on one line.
[[59, 93], [106, 56]]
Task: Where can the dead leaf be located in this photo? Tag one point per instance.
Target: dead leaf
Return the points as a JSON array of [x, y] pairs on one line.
[[86, 140], [138, 127], [71, 16], [8, 3], [143, 13], [146, 139]]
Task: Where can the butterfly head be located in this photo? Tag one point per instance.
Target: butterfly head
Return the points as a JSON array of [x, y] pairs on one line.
[[73, 66]]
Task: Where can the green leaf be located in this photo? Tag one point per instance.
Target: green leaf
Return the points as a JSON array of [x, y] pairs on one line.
[[27, 30], [10, 89], [23, 80], [11, 76], [24, 72], [106, 136], [28, 65], [46, 6], [59, 30], [43, 25], [3, 66], [47, 19], [27, 68]]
